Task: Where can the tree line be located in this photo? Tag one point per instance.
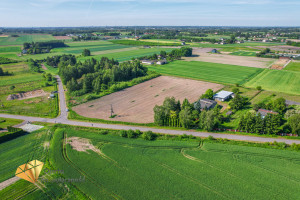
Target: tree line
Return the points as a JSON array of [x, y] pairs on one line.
[[173, 113], [42, 47], [4, 73], [97, 76]]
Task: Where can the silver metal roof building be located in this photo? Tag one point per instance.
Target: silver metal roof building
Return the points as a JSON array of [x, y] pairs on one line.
[[223, 95]]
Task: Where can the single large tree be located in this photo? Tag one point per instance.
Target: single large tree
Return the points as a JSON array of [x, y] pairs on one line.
[[294, 123], [86, 52]]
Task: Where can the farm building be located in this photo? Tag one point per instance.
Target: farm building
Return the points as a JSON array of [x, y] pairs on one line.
[[264, 112], [161, 62], [147, 47], [149, 62], [223, 95], [205, 104], [214, 51], [182, 43], [52, 95]]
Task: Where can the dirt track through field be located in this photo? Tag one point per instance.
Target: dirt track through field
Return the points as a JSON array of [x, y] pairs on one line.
[[135, 104], [201, 55]]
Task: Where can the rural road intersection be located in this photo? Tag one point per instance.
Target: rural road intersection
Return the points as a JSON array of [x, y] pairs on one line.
[[63, 119]]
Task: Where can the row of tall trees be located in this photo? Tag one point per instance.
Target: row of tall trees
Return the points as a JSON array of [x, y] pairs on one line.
[[63, 60], [173, 113], [42, 47], [253, 122]]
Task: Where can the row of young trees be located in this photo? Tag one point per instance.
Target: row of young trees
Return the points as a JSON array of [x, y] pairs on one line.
[[173, 113], [97, 76]]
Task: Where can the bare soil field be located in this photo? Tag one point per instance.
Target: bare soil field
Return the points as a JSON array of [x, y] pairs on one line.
[[292, 49], [280, 64], [135, 104], [62, 37], [199, 55]]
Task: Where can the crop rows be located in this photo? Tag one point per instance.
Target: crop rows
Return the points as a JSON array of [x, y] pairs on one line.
[[213, 72]]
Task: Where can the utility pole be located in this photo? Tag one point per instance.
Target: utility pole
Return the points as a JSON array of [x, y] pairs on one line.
[[111, 110]]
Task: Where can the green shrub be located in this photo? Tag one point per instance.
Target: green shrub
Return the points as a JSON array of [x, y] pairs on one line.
[[123, 133], [131, 134], [148, 135], [210, 138], [138, 132], [103, 132]]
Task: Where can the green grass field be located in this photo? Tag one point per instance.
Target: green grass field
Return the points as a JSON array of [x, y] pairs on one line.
[[243, 53], [127, 55], [213, 72], [123, 168], [277, 80], [25, 38], [293, 66], [24, 80], [4, 123]]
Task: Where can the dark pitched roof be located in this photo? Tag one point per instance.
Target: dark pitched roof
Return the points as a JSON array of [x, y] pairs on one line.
[[207, 103]]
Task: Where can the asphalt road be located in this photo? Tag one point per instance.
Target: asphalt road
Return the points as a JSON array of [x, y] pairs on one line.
[[62, 119]]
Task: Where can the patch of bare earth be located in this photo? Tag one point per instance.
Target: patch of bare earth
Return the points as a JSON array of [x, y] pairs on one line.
[[201, 55], [44, 67], [291, 49], [27, 95], [81, 144], [135, 104], [280, 64], [46, 145], [62, 37]]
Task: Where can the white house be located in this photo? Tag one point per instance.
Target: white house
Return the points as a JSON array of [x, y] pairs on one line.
[[149, 62]]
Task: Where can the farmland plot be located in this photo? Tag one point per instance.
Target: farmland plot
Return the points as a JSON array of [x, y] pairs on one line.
[[213, 72], [136, 103], [122, 168], [248, 61], [279, 81]]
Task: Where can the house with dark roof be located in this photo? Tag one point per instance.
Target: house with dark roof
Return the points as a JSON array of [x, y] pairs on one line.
[[205, 104], [161, 62], [214, 51], [223, 95], [264, 112]]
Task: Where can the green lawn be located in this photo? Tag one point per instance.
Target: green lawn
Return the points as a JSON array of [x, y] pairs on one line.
[[213, 72], [293, 66], [243, 53], [4, 123], [277, 80]]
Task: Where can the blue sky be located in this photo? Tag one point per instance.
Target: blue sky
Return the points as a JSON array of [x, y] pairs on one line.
[[30, 13]]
